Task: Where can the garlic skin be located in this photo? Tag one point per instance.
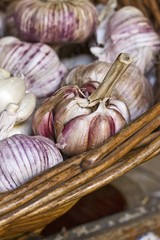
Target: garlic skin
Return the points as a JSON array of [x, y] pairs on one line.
[[23, 157], [38, 62], [16, 103], [132, 88], [128, 30], [55, 21], [76, 128]]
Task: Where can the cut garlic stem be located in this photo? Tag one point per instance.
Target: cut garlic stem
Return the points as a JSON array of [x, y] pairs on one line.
[[119, 66]]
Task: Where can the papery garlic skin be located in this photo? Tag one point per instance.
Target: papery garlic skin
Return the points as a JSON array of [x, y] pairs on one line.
[[38, 62], [87, 131], [23, 157], [128, 30], [26, 107], [132, 88], [55, 21], [12, 90]]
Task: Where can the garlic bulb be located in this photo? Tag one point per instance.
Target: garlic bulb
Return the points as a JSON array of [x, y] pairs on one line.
[[38, 62], [23, 157], [128, 30], [16, 103], [75, 128], [132, 88], [55, 21], [79, 119]]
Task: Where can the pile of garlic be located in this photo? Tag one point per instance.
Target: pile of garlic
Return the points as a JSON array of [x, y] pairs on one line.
[[57, 100]]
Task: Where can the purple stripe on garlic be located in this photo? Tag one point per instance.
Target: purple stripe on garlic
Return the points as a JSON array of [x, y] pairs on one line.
[[24, 157], [38, 62], [55, 21], [128, 30]]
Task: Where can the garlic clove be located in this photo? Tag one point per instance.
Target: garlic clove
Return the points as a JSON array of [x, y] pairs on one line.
[[26, 107], [12, 90], [63, 114], [74, 137], [120, 107]]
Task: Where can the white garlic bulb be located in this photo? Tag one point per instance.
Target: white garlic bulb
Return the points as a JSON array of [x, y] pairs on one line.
[[55, 21], [128, 30], [38, 62], [24, 157], [132, 88], [16, 103]]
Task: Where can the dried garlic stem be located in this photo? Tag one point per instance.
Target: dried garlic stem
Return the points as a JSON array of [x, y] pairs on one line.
[[120, 65]]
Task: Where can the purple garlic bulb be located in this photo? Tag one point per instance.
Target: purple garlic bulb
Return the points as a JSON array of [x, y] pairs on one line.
[[76, 128], [55, 21]]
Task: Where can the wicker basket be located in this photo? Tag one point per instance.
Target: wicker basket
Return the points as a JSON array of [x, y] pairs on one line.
[[46, 197]]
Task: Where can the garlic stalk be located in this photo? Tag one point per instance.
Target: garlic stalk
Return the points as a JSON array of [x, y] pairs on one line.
[[17, 104], [128, 30], [55, 21], [23, 157], [132, 87], [78, 119], [38, 62]]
